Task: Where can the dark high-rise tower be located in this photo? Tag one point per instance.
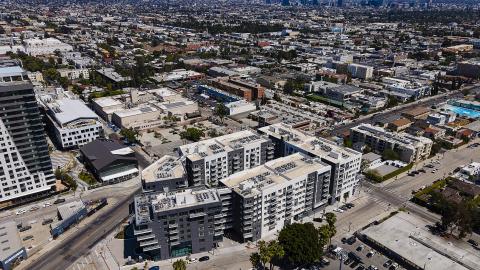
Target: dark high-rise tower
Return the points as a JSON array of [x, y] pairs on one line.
[[285, 2]]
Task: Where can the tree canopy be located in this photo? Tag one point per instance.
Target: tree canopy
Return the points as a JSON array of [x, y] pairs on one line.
[[302, 243]]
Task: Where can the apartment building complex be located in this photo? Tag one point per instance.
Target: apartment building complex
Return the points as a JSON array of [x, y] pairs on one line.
[[178, 224], [72, 122], [409, 148], [25, 165], [240, 87], [281, 191], [344, 162], [211, 160]]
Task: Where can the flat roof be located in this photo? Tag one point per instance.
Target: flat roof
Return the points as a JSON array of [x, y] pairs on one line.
[[407, 235], [10, 241], [68, 110], [69, 209], [107, 102], [317, 146], [278, 171], [189, 197], [144, 108], [198, 150], [166, 167]]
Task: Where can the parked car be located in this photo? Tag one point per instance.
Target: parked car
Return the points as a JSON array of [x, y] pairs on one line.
[[422, 171], [350, 205], [47, 221], [204, 258], [394, 266], [325, 261], [360, 248], [387, 264], [26, 228], [60, 200], [154, 268], [372, 267], [348, 261], [34, 208], [28, 237], [47, 204], [370, 254], [338, 210], [21, 211], [473, 242], [361, 267], [351, 240]]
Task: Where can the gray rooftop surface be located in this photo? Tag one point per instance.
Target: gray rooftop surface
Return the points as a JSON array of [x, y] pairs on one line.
[[10, 241]]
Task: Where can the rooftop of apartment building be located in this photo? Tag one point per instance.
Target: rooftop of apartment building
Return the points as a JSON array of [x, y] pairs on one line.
[[199, 150], [142, 109], [318, 146], [278, 171], [166, 167], [404, 139], [160, 202]]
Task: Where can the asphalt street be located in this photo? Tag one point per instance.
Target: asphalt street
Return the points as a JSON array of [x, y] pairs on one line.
[[80, 242]]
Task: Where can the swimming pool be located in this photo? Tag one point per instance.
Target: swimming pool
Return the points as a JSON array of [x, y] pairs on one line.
[[464, 111]]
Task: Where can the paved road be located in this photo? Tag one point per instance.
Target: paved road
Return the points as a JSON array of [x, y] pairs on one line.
[[80, 242]]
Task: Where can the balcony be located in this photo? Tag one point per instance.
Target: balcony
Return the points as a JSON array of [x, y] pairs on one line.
[[145, 237], [148, 243], [150, 248], [140, 232], [173, 232], [172, 225], [196, 215]]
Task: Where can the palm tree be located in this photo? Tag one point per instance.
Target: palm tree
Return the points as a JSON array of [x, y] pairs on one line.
[[276, 251], [179, 265], [331, 219], [263, 252]]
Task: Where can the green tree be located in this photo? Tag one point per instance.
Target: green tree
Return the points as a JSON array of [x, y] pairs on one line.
[[192, 134], [301, 243], [221, 111], [255, 259], [179, 265], [331, 220], [276, 252], [129, 134]]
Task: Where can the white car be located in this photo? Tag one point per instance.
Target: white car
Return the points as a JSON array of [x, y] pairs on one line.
[[47, 204], [21, 211], [338, 210]]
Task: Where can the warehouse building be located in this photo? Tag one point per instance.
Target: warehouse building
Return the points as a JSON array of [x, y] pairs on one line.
[[12, 250]]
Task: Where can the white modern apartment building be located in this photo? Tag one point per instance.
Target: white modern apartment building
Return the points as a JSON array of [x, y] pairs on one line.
[[280, 192], [211, 160], [411, 89], [35, 46], [344, 162], [360, 71], [409, 148], [73, 123]]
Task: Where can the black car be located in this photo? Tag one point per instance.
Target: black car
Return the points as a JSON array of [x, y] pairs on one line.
[[204, 258], [26, 228], [361, 267], [28, 237], [473, 242], [57, 201], [351, 240], [348, 261], [354, 264], [350, 205], [47, 221]]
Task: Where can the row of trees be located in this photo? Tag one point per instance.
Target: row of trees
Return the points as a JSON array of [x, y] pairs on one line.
[[298, 244]]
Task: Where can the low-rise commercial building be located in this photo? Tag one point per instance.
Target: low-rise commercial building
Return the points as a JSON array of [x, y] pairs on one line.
[[211, 160], [245, 89], [280, 192], [46, 46], [106, 106], [239, 107], [344, 162], [68, 215], [409, 148], [109, 161], [144, 116], [360, 71]]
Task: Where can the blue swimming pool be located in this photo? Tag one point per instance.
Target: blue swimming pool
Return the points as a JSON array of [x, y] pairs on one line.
[[464, 112]]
